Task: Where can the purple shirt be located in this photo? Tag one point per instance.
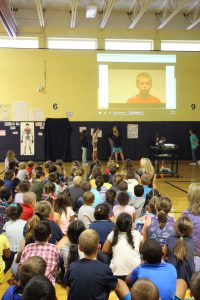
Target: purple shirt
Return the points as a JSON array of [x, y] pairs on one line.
[[154, 231], [196, 230]]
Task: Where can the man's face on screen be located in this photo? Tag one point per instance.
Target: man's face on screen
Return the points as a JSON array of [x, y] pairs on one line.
[[144, 85]]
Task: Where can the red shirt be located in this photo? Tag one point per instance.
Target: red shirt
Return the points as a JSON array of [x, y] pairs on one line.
[[28, 211], [139, 99]]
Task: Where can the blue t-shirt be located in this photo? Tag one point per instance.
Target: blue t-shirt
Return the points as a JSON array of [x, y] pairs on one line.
[[103, 228], [163, 275], [89, 279]]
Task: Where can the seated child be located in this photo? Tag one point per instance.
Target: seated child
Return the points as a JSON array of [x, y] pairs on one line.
[[146, 180], [34, 265], [89, 278], [123, 239], [10, 181], [24, 186], [138, 199], [14, 228], [152, 268], [53, 177], [110, 200], [123, 187], [144, 289], [102, 224], [5, 201], [123, 200], [37, 185], [39, 287], [28, 205], [22, 173], [6, 256], [86, 212], [195, 286], [42, 248], [106, 178], [30, 168]]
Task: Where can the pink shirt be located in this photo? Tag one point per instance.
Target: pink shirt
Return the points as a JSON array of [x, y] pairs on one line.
[[118, 209]]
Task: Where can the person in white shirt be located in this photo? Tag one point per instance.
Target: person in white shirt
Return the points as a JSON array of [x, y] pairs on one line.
[[124, 244], [14, 228]]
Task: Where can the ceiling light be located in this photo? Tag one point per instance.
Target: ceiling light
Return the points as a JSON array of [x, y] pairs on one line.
[[91, 11]]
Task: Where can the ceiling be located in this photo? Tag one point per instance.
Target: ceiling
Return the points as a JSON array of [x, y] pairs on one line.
[[15, 13]]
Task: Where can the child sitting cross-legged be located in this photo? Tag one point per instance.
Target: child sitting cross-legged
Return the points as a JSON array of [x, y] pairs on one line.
[[89, 278], [34, 265], [86, 212], [42, 248]]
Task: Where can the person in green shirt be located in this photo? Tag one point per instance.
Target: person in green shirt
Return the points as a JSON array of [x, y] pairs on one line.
[[194, 144]]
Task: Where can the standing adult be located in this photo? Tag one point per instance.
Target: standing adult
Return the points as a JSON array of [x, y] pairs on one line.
[[194, 144], [94, 143], [116, 137], [111, 142], [84, 145]]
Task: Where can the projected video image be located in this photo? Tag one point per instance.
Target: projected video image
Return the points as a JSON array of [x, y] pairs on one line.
[[136, 80], [136, 86]]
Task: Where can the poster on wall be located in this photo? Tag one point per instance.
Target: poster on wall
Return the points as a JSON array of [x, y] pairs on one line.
[[132, 131], [27, 143]]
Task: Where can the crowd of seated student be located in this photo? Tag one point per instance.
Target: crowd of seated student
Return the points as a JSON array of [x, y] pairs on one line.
[[80, 225]]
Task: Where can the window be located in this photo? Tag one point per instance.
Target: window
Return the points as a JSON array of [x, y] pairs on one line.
[[180, 45], [19, 42], [76, 43], [112, 44]]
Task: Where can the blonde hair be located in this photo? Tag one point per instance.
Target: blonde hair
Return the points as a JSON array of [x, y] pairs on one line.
[[29, 197], [146, 166], [89, 241], [88, 198], [43, 209], [22, 165], [77, 180], [194, 198], [32, 222]]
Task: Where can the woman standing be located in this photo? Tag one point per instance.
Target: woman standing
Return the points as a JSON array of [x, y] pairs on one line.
[[84, 145], [117, 149], [94, 143], [194, 144]]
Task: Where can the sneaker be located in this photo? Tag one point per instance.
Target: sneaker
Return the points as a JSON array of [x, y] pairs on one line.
[[192, 164]]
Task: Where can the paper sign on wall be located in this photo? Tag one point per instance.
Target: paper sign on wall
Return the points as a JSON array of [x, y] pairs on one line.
[[132, 131]]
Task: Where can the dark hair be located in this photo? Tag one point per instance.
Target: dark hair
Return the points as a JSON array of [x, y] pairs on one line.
[[30, 164], [123, 186], [195, 285], [101, 212], [53, 177], [34, 265], [123, 198], [74, 230], [39, 287], [152, 251], [24, 186], [96, 171], [95, 129], [138, 190], [5, 194], [38, 169], [47, 164], [123, 224], [130, 174], [183, 227], [151, 207], [99, 182], [110, 197], [39, 174], [117, 179], [49, 187], [1, 182], [106, 177], [42, 231], [163, 207], [12, 165], [9, 174], [14, 211], [83, 133], [62, 202]]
